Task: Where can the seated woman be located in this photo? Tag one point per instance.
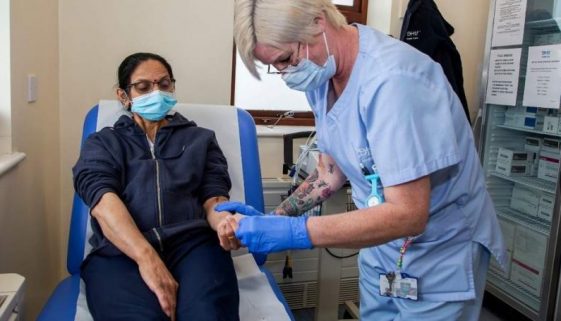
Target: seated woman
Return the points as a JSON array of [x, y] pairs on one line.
[[152, 181]]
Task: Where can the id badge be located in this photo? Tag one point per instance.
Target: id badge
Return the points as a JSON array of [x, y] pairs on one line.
[[398, 285]]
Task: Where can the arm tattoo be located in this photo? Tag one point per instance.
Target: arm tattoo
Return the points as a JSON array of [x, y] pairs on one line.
[[311, 192]]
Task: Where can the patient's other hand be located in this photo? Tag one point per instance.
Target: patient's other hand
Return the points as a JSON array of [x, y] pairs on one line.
[[158, 278]]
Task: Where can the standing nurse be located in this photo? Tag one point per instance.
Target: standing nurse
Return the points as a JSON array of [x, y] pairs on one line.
[[388, 121]]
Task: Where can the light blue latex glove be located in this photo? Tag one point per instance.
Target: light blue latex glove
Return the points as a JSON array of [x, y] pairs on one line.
[[273, 233], [268, 233]]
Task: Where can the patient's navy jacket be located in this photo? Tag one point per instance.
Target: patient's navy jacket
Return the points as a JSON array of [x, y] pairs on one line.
[[425, 28], [164, 191]]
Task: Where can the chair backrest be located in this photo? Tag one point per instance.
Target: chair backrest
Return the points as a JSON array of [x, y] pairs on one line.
[[236, 135]]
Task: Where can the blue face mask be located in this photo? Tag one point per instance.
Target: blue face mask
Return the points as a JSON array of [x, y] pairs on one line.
[[307, 75], [153, 106]]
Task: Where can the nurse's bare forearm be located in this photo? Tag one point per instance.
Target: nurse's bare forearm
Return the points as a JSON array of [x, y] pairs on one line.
[[311, 192], [405, 213], [326, 179], [119, 228]]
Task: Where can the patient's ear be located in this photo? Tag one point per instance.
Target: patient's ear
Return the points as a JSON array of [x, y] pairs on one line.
[[123, 98]]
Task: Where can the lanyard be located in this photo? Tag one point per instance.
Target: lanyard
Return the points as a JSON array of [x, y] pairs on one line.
[[406, 243]]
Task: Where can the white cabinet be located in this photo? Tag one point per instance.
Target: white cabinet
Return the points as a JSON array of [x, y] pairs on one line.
[[12, 290]]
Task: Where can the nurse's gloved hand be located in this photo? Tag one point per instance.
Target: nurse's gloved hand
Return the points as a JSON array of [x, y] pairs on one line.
[[237, 207], [273, 233]]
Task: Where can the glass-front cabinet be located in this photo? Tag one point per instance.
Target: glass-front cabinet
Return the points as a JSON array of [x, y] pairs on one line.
[[520, 146]]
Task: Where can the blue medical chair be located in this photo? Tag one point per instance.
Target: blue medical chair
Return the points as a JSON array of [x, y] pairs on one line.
[[235, 132]]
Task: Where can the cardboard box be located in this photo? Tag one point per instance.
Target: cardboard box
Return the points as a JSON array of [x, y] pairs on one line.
[[525, 200], [545, 210], [522, 169], [552, 145], [551, 125], [528, 259], [533, 144], [548, 166], [513, 163], [525, 117]]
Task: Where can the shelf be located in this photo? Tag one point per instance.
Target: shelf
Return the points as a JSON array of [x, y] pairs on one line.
[[526, 130], [544, 25], [504, 288], [529, 181], [534, 223]]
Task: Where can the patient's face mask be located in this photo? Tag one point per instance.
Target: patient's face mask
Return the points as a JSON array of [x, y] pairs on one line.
[[307, 75], [153, 106]]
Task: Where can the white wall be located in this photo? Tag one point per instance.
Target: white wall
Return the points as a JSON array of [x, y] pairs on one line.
[[30, 193], [5, 88]]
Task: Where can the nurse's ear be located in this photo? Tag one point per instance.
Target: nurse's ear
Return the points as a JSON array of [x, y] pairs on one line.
[[123, 98], [320, 22]]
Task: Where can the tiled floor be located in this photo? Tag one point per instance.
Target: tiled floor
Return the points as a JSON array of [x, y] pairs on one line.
[[493, 310]]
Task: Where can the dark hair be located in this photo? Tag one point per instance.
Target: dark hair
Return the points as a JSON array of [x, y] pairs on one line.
[[128, 66]]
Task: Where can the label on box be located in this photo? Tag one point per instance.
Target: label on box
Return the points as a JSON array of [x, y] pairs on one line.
[[524, 207], [533, 144], [545, 210], [551, 125], [508, 155], [548, 168], [528, 259], [513, 170], [551, 145], [526, 277]]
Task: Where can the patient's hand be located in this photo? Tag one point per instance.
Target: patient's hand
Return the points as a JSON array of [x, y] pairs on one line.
[[226, 233], [158, 278]]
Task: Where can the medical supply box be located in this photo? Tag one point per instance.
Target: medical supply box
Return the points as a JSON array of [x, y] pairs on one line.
[[514, 163]]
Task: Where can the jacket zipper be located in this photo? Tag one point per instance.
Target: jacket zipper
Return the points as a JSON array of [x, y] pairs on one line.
[[159, 239], [158, 190]]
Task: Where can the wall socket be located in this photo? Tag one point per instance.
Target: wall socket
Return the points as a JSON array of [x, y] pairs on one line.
[[32, 84]]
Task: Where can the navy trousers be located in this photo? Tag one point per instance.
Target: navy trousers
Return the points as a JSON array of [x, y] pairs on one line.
[[208, 289]]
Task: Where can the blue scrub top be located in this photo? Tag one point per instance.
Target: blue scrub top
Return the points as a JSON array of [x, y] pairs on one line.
[[399, 112]]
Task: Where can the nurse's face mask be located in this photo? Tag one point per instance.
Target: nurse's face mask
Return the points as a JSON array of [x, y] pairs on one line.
[[153, 105], [307, 75]]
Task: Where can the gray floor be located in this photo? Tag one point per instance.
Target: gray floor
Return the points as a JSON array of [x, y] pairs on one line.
[[487, 315], [308, 315], [493, 310]]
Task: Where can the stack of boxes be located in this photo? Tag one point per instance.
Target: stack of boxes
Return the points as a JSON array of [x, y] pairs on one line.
[[525, 200], [514, 163], [541, 158], [528, 259], [549, 156], [525, 256]]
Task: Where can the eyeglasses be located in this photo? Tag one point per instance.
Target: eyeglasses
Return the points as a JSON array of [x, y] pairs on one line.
[[146, 86], [286, 62]]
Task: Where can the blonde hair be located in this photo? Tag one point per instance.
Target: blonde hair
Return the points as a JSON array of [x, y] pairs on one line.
[[274, 22]]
